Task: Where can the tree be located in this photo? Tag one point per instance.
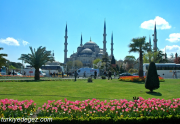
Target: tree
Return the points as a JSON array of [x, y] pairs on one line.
[[12, 67], [37, 58], [148, 57], [105, 59], [172, 55], [16, 65], [130, 60], [139, 45], [121, 69], [117, 68], [152, 80], [78, 64], [2, 59], [113, 61], [154, 56], [177, 60], [96, 61], [133, 70], [69, 64]]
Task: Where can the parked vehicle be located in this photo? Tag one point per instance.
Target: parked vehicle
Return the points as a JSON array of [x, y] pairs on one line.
[[16, 73], [164, 70], [89, 72], [50, 69], [31, 72], [135, 74], [3, 70], [125, 74]]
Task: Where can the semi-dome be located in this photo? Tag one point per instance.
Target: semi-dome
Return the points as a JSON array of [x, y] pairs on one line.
[[87, 50]]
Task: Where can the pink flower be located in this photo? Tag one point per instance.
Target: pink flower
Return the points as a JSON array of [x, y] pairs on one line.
[[126, 109], [171, 106]]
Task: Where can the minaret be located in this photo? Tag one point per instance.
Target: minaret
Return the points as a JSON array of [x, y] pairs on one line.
[[155, 38], [81, 41], [104, 39], [150, 43], [112, 46], [65, 45]]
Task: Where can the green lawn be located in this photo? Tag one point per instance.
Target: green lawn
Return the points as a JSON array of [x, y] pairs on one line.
[[42, 91]]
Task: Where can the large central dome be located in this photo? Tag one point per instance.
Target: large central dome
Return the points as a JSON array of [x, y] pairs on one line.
[[89, 44]]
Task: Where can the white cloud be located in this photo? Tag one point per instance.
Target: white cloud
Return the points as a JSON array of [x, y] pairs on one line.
[[171, 49], [10, 41], [160, 24], [25, 43], [174, 37]]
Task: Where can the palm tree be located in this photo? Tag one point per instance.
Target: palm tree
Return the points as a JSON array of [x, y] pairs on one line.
[[37, 59], [2, 59], [139, 45]]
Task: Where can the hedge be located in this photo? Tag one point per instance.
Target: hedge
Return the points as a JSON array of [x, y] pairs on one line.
[[108, 120]]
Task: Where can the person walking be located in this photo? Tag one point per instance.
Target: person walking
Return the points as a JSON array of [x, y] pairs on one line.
[[67, 74], [84, 74], [62, 74], [13, 73], [174, 74], [75, 75], [114, 74], [109, 75], [95, 74], [54, 74], [105, 74]]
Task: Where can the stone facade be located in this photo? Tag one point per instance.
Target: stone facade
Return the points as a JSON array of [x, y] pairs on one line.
[[87, 53]]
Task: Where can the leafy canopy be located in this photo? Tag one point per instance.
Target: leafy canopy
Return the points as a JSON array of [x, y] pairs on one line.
[[138, 45], [37, 58], [2, 59]]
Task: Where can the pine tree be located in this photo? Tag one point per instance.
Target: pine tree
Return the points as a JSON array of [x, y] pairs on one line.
[[152, 80], [113, 61]]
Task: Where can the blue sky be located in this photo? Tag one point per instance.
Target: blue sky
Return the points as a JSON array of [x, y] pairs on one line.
[[37, 23]]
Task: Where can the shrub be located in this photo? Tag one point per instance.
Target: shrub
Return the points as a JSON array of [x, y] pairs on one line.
[[89, 79], [152, 80], [103, 77]]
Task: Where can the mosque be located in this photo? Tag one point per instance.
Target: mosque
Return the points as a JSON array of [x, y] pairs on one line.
[[89, 51]]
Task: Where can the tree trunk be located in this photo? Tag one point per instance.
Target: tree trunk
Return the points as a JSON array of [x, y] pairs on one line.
[[37, 77], [140, 64]]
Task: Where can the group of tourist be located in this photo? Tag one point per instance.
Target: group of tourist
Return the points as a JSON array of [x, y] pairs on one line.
[[109, 74], [56, 74]]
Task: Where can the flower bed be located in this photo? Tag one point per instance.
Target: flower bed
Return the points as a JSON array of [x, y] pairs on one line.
[[114, 108], [136, 78], [92, 108], [15, 108]]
